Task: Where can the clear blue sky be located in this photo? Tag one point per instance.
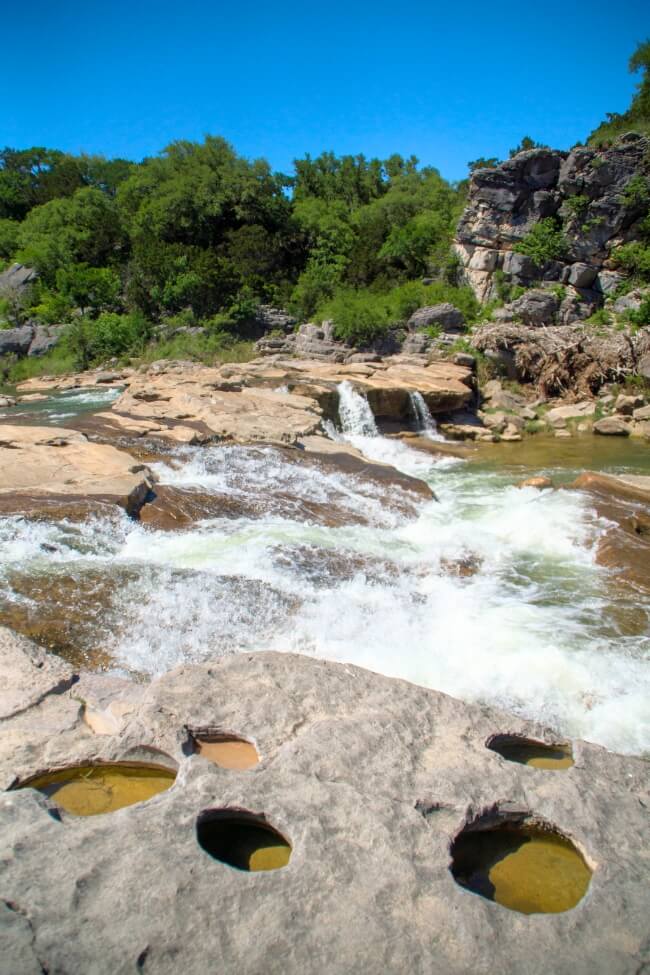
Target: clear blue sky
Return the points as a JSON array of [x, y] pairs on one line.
[[446, 81]]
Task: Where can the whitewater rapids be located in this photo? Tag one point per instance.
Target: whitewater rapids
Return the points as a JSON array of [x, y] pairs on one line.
[[535, 628]]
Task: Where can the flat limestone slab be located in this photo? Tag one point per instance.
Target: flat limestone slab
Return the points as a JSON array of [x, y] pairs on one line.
[[369, 779], [62, 462]]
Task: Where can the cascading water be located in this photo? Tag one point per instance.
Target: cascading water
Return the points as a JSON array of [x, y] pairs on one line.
[[356, 417], [307, 558], [423, 419]]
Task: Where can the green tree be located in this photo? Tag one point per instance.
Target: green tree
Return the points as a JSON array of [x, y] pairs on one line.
[[82, 229], [526, 144], [91, 289], [637, 116]]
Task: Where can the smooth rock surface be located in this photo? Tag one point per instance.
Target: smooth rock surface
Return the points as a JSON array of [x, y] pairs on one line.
[[59, 462], [369, 779]]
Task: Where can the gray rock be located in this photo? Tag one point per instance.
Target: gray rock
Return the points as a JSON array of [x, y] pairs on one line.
[[370, 780], [28, 674], [536, 307], [445, 315], [464, 359], [506, 202], [582, 275], [16, 341], [416, 343], [643, 367], [612, 426], [45, 338], [626, 404], [629, 302], [17, 277], [642, 413]]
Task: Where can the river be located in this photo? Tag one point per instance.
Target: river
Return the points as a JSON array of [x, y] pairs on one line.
[[490, 593]]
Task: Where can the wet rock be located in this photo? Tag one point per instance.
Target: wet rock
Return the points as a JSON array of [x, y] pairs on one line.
[[540, 482], [356, 770]]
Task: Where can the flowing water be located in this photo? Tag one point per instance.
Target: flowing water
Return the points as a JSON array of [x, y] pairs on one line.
[[424, 422], [531, 624]]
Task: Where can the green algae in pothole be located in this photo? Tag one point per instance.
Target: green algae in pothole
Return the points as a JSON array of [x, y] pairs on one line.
[[243, 842], [524, 868], [89, 790], [535, 754]]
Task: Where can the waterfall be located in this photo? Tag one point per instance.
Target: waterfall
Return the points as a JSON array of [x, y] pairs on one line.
[[354, 411], [423, 419]]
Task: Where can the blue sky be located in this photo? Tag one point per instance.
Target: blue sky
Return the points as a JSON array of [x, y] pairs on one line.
[[447, 82]]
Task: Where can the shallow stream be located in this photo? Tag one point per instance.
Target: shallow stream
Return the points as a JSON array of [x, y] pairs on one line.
[[490, 593]]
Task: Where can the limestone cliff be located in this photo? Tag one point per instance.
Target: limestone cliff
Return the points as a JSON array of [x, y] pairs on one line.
[[584, 191]]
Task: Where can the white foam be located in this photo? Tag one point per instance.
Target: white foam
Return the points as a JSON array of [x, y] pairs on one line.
[[535, 629]]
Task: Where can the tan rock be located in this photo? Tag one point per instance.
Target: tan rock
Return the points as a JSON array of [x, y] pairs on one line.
[[61, 462], [536, 482]]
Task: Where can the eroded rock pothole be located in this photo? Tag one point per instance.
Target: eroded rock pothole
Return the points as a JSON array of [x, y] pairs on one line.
[[241, 839], [526, 866], [226, 750], [537, 754], [89, 790]]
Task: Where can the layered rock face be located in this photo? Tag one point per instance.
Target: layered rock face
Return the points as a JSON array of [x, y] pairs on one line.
[[369, 780], [583, 189], [271, 401]]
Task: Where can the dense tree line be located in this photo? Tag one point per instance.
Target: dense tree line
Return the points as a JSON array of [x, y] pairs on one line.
[[205, 234], [199, 235]]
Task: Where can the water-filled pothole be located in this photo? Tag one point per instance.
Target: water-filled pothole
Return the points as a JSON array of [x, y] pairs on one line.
[[527, 751], [228, 751], [242, 840], [88, 790], [524, 866]]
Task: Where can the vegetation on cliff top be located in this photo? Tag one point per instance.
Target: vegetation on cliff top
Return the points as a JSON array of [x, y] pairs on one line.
[[130, 254]]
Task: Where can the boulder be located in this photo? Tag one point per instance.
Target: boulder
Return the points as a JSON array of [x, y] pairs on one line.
[[17, 277], [612, 426], [445, 316], [570, 412], [627, 404], [536, 307], [642, 413], [16, 341], [44, 339], [582, 275]]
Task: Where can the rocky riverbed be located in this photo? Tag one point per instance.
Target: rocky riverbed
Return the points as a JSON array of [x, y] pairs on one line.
[[288, 554]]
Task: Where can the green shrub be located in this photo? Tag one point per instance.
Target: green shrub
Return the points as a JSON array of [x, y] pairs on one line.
[[545, 242], [634, 258], [362, 316], [641, 316], [599, 318], [576, 206]]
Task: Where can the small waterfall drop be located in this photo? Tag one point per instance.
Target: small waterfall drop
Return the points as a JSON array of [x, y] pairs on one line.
[[354, 412], [424, 421]]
